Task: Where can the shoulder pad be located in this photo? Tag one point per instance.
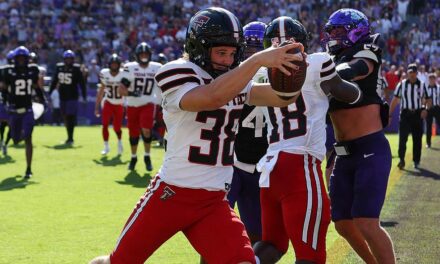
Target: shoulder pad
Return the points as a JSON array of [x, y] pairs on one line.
[[77, 65], [369, 52], [60, 64], [176, 73]]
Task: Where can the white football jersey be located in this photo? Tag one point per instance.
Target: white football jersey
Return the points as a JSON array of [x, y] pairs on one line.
[[300, 127], [200, 145], [141, 80], [111, 85]]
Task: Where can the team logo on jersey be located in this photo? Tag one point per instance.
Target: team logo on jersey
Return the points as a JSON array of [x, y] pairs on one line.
[[167, 193], [199, 21]]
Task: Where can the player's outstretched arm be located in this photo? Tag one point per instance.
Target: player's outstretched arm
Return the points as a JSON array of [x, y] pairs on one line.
[[224, 88], [342, 90]]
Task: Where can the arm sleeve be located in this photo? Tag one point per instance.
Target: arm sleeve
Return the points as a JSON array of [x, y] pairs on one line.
[[54, 82], [398, 90], [82, 84]]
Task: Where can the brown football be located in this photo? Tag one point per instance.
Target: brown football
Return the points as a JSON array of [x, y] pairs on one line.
[[285, 86]]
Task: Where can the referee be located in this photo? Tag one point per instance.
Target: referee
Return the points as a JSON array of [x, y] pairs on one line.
[[410, 93], [434, 111]]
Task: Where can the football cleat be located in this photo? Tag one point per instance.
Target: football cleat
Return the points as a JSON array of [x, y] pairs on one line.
[[132, 164], [106, 150], [401, 165], [28, 173], [416, 165], [68, 142], [120, 148], [148, 164]]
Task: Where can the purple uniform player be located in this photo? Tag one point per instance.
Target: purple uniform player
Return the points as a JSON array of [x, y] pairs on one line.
[[250, 145], [68, 77], [20, 79], [359, 180]]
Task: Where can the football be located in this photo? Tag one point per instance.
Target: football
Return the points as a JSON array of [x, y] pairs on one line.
[[286, 86]]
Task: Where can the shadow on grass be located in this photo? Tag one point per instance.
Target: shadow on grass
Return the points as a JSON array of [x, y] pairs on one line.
[[388, 223], [106, 162], [62, 146], [134, 179], [6, 159], [15, 182], [20, 145], [421, 172]]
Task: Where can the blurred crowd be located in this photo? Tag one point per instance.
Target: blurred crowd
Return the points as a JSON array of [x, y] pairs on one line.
[[95, 28]]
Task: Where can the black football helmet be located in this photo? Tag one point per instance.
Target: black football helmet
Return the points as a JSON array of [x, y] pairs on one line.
[[162, 58], [209, 28], [33, 57], [284, 28], [114, 59], [142, 47]]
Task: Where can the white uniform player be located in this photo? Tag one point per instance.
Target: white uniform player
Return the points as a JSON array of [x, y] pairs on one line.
[[142, 85], [111, 101], [139, 86], [300, 127], [189, 161], [111, 84]]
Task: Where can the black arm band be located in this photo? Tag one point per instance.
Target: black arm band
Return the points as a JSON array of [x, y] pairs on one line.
[[125, 82], [350, 71]]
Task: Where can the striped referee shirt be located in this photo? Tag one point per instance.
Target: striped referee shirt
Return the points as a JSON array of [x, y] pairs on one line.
[[411, 94], [434, 91]]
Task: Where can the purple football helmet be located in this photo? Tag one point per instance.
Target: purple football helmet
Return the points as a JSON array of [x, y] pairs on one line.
[[10, 57], [344, 28], [254, 35]]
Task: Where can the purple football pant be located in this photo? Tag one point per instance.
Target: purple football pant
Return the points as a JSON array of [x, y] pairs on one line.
[[69, 107], [245, 191], [359, 180], [21, 125], [4, 115]]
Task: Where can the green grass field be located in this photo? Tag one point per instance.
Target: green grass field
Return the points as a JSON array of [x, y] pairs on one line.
[[75, 206]]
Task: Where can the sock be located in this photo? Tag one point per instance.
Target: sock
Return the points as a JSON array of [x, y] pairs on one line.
[[133, 156], [119, 142], [119, 134], [106, 144], [146, 154]]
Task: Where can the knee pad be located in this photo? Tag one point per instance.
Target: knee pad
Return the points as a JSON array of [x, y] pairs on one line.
[[267, 252], [134, 141], [146, 139]]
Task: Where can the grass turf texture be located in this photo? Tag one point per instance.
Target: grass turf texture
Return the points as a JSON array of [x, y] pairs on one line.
[[75, 206]]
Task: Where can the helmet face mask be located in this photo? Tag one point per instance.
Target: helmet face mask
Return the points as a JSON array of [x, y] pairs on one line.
[[21, 56], [284, 28], [213, 27], [68, 57], [143, 48], [345, 28], [254, 36], [114, 63]]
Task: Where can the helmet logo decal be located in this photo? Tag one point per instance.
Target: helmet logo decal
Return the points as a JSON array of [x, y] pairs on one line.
[[282, 30], [234, 24], [200, 20]]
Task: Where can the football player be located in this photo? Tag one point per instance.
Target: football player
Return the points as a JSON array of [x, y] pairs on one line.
[[359, 180], [67, 78], [33, 58], [112, 108], [138, 85], [294, 201], [249, 146], [20, 79], [203, 94], [3, 109]]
